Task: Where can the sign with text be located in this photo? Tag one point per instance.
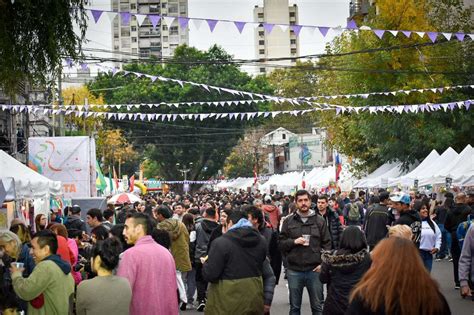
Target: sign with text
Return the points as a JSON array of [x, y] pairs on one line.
[[70, 160]]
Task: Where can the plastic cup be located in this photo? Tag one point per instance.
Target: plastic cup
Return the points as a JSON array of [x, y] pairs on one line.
[[17, 265], [306, 239]]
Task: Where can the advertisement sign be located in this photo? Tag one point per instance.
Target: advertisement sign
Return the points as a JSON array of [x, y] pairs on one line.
[[70, 160]]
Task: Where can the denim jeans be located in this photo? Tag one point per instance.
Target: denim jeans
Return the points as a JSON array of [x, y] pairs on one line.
[[427, 258], [297, 281], [190, 285]]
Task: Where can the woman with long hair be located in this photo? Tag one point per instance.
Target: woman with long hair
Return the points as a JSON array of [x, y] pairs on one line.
[[397, 283], [430, 243], [343, 268], [61, 231], [40, 222]]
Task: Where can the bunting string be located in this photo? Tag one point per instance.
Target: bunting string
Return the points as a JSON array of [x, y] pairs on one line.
[[183, 21], [394, 109]]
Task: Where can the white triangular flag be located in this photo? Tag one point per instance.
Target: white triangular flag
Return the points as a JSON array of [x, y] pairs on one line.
[[140, 18], [447, 35], [394, 33], [169, 20], [283, 27], [112, 16], [197, 23]]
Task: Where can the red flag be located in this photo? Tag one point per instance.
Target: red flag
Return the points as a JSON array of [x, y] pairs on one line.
[[132, 183], [115, 178], [303, 182]]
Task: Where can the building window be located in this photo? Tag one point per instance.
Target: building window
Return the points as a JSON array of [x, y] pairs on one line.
[[134, 51], [174, 30], [261, 33], [133, 28], [261, 51], [134, 39], [293, 50], [292, 14], [283, 136], [292, 22], [165, 38], [133, 6], [261, 42], [293, 41], [165, 27], [163, 5], [262, 70], [260, 15], [154, 9], [173, 9]]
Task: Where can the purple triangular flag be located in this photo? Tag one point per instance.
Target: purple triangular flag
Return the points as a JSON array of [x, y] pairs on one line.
[[154, 19], [240, 26], [432, 36], [467, 104], [296, 29], [96, 14], [451, 106], [406, 33], [338, 110], [183, 22], [69, 62], [268, 27], [212, 24], [323, 30], [125, 17], [379, 33], [351, 25], [460, 36], [84, 66]]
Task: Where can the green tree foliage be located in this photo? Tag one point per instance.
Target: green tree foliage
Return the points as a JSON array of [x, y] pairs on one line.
[[375, 139], [205, 143], [34, 36]]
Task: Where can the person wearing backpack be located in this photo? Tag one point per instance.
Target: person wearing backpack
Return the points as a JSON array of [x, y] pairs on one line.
[[462, 229], [353, 212], [376, 221]]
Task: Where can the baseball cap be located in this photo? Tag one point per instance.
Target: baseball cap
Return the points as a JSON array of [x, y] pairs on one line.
[[400, 197], [268, 198]]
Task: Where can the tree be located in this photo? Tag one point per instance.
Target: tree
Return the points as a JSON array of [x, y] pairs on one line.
[[78, 96], [205, 143], [246, 155], [114, 150], [376, 139], [35, 36]]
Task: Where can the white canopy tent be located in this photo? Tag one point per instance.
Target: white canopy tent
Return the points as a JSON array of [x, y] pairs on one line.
[[381, 181], [28, 183], [378, 172], [460, 169], [418, 172]]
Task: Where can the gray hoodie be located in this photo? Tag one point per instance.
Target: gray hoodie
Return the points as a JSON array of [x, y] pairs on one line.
[[466, 262]]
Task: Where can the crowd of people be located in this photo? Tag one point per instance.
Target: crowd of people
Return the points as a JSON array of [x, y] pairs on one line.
[[224, 253]]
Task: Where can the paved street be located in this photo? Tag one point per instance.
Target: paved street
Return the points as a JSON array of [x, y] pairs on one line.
[[442, 271]]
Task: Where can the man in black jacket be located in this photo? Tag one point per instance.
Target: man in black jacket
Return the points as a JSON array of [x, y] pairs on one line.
[[74, 220], [332, 220], [376, 221], [303, 235], [454, 217], [204, 229], [401, 202]]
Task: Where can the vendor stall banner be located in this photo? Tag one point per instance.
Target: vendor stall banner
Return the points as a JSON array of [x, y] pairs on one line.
[[65, 159]]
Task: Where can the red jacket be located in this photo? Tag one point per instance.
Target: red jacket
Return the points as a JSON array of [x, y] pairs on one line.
[[63, 250]]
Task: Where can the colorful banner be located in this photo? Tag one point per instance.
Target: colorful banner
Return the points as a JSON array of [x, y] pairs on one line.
[[65, 159], [183, 22]]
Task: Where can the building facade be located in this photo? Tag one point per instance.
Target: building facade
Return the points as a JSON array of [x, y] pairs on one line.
[[135, 41], [278, 43], [296, 152]]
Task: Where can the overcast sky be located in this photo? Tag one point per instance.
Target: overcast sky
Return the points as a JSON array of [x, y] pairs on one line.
[[311, 12]]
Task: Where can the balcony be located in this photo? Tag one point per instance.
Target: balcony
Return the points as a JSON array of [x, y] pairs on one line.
[[358, 8]]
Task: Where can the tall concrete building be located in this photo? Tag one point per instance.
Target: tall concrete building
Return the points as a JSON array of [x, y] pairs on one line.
[[134, 41], [278, 43]]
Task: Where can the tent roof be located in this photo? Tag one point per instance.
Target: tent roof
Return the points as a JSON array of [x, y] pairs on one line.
[[28, 183]]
